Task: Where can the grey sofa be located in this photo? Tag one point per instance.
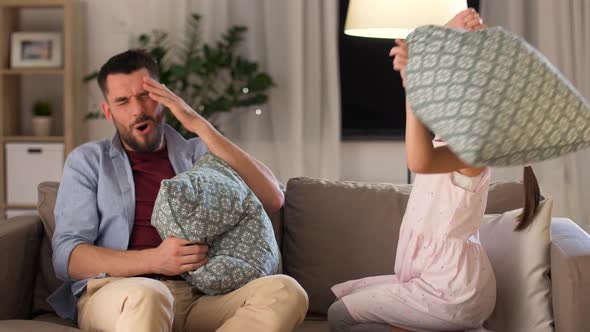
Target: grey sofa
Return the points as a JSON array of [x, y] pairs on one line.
[[328, 231]]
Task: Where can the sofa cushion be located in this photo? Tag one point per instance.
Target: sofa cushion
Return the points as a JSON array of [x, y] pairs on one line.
[[313, 326], [55, 319], [19, 248], [570, 268], [31, 325], [47, 193], [211, 204], [493, 97], [46, 282], [505, 196], [339, 231], [521, 264]]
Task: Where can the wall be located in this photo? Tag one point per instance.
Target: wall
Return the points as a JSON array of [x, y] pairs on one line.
[[373, 161], [111, 31], [386, 162]]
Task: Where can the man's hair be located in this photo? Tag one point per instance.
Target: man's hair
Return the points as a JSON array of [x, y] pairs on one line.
[[126, 63]]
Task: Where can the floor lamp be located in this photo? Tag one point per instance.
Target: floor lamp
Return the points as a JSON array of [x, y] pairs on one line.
[[393, 19]]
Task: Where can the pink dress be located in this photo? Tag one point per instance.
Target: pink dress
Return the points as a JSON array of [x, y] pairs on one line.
[[443, 279]]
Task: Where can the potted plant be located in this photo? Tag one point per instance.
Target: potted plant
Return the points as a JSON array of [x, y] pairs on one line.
[[41, 118], [212, 79]]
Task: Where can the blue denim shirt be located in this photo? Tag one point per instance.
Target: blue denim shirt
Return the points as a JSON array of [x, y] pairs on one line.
[[96, 205]]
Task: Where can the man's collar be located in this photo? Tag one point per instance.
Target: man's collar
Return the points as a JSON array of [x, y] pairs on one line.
[[175, 143]]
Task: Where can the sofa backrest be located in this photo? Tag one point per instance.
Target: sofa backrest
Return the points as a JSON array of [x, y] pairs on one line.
[[338, 231], [326, 232]]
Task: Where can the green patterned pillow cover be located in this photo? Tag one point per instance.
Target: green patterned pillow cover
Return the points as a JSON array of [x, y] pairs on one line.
[[211, 203], [494, 98]]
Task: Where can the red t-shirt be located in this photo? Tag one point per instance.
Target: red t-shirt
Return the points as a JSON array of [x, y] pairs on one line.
[[149, 169]]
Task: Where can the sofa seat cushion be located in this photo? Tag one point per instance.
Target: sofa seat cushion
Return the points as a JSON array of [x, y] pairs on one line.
[[493, 97], [33, 325], [314, 326], [55, 319]]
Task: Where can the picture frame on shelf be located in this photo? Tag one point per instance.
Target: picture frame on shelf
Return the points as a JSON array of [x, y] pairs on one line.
[[36, 49]]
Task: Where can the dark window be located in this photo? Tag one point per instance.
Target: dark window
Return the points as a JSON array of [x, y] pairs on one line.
[[372, 96]]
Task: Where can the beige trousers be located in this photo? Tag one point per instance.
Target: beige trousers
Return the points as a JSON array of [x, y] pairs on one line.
[[273, 303]]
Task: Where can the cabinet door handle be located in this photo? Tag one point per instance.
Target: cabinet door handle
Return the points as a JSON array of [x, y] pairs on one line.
[[35, 150]]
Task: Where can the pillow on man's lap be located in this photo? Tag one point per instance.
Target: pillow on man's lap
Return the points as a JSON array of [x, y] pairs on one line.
[[494, 98], [211, 204]]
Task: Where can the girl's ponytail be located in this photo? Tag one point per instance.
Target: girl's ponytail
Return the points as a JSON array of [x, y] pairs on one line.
[[532, 197]]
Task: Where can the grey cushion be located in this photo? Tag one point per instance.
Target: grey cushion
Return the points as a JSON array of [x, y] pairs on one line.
[[493, 97], [521, 264], [211, 204]]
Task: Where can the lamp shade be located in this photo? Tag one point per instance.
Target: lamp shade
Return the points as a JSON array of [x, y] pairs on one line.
[[397, 18]]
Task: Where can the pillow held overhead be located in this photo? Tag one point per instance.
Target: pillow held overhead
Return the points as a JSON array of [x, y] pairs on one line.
[[494, 98]]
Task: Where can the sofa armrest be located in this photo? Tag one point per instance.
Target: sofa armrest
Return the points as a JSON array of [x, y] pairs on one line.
[[570, 275], [19, 252]]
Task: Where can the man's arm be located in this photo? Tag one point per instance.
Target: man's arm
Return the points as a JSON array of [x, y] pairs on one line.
[[173, 257], [256, 175], [75, 254]]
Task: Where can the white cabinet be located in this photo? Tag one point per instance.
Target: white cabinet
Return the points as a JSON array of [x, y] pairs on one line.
[[27, 165]]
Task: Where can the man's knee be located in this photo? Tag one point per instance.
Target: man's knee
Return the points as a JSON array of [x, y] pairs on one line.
[[127, 304], [289, 293], [149, 295]]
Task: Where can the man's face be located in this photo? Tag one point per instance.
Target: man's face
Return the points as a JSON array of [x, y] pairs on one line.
[[139, 119]]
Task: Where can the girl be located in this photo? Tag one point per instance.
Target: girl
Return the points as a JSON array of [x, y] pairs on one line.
[[443, 279]]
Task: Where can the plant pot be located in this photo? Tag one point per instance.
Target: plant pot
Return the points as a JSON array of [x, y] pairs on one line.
[[99, 129], [41, 125]]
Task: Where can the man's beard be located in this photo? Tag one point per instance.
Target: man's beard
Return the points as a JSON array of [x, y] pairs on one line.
[[153, 140]]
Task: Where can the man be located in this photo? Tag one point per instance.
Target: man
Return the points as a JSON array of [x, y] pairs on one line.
[[118, 274]]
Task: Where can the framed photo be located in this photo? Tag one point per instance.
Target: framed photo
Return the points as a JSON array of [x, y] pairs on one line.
[[36, 49]]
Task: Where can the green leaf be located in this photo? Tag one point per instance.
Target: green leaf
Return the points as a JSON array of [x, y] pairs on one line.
[[158, 53], [257, 99], [91, 76], [144, 39], [166, 78], [221, 104], [160, 36], [195, 64], [178, 72], [260, 82], [206, 51], [42, 108], [93, 115]]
